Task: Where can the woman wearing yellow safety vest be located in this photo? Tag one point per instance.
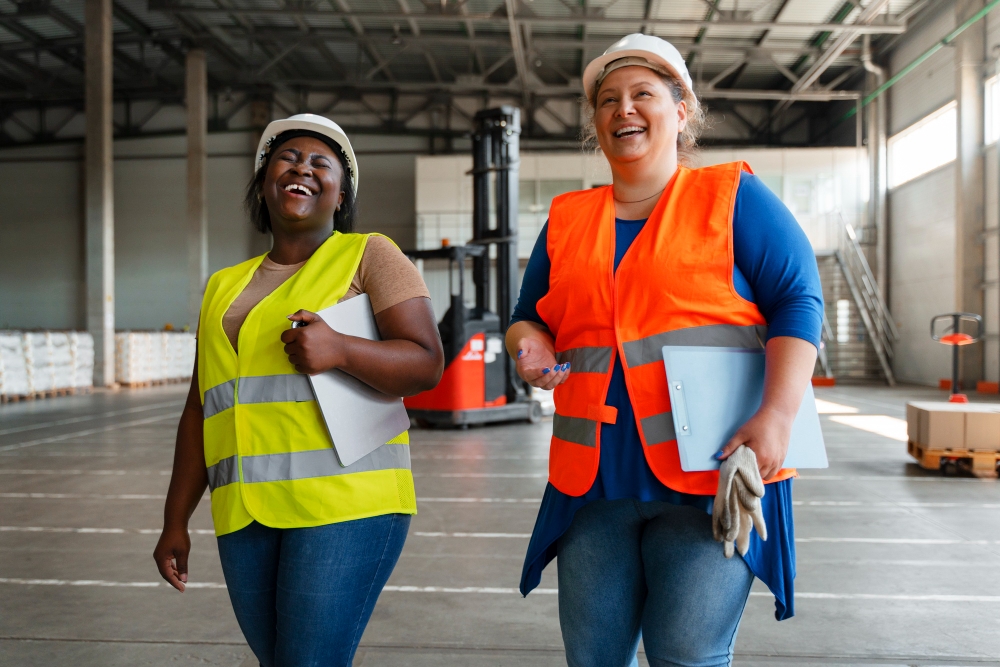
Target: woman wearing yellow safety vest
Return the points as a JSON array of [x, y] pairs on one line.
[[306, 545]]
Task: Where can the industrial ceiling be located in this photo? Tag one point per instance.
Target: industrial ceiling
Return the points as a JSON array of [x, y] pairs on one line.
[[771, 72]]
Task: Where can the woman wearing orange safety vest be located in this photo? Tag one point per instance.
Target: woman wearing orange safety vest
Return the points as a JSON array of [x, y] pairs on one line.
[[666, 255], [306, 544]]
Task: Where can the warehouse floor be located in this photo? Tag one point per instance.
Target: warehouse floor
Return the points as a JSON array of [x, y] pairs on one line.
[[896, 566]]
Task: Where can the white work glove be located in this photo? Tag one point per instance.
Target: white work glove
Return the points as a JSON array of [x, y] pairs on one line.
[[737, 502]]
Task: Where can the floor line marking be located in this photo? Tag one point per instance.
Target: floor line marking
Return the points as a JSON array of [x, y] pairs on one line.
[[483, 535], [485, 475], [103, 583], [103, 415], [84, 496], [491, 590], [478, 535], [92, 431], [890, 478], [479, 500], [890, 540], [97, 531], [858, 503], [4, 471]]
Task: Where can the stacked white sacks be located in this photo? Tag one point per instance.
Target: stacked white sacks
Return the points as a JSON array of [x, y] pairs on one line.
[[147, 357], [13, 370], [39, 362]]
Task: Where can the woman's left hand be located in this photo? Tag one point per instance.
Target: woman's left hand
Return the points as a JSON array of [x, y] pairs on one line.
[[767, 433], [314, 348]]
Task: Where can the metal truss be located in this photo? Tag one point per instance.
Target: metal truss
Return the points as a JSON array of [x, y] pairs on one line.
[[424, 68]]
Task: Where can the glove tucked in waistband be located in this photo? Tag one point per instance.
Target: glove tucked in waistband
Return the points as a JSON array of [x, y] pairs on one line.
[[737, 505]]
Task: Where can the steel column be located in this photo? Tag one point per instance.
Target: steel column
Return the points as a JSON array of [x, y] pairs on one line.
[[196, 88], [99, 189], [970, 53]]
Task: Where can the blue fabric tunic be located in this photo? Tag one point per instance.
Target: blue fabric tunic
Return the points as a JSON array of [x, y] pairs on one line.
[[775, 268]]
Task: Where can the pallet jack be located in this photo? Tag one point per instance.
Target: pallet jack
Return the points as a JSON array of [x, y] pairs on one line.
[[952, 335], [480, 384]]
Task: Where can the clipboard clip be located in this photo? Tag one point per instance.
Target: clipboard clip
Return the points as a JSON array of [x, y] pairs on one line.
[[678, 406]]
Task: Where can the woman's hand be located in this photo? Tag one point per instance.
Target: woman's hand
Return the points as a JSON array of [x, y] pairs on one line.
[[767, 434], [171, 556], [787, 371], [536, 364], [315, 348]]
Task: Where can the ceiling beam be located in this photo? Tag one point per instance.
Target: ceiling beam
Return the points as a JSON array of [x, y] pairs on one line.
[[812, 75], [168, 6]]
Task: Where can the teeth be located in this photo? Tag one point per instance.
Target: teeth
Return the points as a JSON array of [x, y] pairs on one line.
[[630, 129], [295, 187]]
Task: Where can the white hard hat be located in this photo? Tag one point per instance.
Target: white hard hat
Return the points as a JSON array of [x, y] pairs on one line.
[[313, 123], [636, 49]]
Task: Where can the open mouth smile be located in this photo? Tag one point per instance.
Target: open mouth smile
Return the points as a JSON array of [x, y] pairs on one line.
[[629, 131], [299, 189]]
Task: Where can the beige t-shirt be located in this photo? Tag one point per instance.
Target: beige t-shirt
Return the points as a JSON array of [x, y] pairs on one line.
[[384, 274]]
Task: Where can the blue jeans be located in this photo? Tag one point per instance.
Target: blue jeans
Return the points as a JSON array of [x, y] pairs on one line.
[[631, 569], [303, 596]]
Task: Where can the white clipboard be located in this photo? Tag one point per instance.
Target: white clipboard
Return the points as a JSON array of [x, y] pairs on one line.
[[359, 418], [714, 391]]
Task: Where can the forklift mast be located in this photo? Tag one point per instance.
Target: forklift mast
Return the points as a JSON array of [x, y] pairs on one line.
[[495, 162], [480, 383]]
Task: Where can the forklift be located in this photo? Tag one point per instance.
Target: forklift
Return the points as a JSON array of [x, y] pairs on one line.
[[480, 384]]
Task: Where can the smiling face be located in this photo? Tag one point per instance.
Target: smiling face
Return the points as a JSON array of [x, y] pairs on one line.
[[636, 117], [302, 185]]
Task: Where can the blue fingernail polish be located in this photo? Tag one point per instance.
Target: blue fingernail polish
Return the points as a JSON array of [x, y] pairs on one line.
[[718, 454], [567, 365], [519, 353], [544, 371]]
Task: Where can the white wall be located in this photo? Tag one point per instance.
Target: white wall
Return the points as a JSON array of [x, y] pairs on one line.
[[922, 271], [41, 261], [41, 223], [823, 187], [930, 86]]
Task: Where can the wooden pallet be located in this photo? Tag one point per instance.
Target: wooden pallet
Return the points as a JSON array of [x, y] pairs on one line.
[[51, 393], [980, 464]]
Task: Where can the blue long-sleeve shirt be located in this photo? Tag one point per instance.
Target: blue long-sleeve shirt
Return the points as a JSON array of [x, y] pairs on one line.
[[774, 267]]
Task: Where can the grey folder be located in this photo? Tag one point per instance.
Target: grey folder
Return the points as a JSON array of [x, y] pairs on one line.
[[359, 418], [714, 391]]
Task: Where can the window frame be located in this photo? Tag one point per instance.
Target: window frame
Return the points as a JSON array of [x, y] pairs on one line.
[[893, 141]]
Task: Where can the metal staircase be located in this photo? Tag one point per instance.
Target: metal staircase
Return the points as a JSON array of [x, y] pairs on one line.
[[858, 332]]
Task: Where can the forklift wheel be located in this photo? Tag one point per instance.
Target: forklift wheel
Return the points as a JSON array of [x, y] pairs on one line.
[[535, 412]]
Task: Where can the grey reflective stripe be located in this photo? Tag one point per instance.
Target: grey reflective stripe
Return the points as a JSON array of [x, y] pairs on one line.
[[320, 463], [222, 473], [575, 429], [275, 389], [659, 428], [587, 359], [649, 349], [218, 398]]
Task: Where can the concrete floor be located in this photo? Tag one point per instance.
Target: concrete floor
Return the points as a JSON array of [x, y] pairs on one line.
[[896, 566]]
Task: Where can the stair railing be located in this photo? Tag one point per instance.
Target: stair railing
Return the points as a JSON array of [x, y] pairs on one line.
[[871, 306]]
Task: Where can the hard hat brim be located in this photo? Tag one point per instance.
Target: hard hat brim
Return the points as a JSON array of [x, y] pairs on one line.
[[597, 65], [332, 131]]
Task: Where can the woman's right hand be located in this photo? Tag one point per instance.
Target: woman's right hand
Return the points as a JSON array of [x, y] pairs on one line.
[[536, 364], [171, 555]]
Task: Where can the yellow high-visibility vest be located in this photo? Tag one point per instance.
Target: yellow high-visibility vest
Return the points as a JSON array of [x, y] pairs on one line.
[[268, 452]]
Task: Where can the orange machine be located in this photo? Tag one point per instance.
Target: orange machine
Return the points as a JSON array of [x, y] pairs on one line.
[[479, 384]]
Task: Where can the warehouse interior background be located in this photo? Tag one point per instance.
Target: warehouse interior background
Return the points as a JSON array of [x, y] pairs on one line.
[[127, 138]]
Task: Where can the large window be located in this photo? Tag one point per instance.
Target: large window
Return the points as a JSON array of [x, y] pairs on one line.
[[926, 145], [992, 95]]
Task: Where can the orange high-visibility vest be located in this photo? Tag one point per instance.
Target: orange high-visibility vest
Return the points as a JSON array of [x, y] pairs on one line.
[[674, 286]]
